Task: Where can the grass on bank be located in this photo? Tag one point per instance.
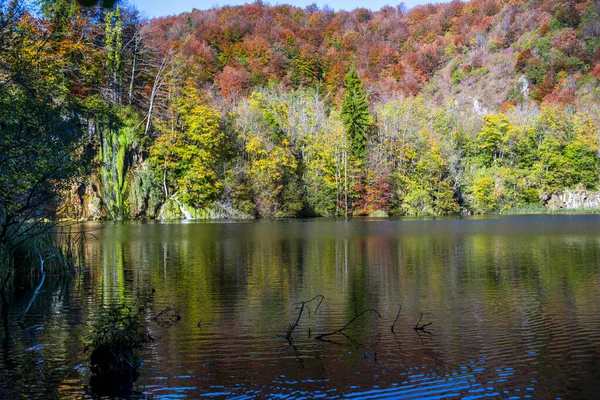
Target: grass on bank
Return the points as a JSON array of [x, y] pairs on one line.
[[55, 250]]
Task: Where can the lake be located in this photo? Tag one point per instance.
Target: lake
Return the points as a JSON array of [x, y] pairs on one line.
[[514, 303]]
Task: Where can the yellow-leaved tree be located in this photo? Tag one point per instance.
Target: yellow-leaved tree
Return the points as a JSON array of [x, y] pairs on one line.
[[188, 154]]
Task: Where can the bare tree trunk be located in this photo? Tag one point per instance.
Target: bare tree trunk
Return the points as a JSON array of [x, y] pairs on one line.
[[158, 82], [165, 183], [346, 181], [131, 83]]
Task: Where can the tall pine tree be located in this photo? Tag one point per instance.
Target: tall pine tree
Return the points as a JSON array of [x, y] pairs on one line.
[[355, 115]]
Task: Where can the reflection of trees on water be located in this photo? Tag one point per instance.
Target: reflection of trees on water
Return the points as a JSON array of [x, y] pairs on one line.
[[36, 354], [257, 281], [243, 282]]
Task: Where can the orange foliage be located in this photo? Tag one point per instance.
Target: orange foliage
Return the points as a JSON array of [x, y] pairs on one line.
[[233, 82], [237, 47], [596, 71]]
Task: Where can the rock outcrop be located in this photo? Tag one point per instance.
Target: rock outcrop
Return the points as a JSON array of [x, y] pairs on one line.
[[572, 199]]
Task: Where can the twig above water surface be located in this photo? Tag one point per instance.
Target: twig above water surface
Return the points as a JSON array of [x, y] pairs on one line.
[[396, 320], [167, 317], [303, 306], [422, 327], [341, 330]]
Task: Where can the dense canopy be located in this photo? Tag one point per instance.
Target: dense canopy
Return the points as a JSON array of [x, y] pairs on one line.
[[279, 111]]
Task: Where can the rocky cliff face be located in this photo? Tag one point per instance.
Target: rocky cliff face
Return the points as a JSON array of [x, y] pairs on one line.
[[142, 199], [83, 203], [571, 199]]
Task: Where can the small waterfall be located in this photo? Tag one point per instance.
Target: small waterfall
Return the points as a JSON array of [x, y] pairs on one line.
[[186, 213]]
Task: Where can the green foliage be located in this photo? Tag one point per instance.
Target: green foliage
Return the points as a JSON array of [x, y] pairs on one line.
[[492, 138], [461, 74], [116, 336], [355, 115], [41, 136], [187, 157], [121, 132], [567, 14], [530, 196], [484, 199]]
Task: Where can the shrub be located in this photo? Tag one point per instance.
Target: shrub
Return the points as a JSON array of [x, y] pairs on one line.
[[116, 337]]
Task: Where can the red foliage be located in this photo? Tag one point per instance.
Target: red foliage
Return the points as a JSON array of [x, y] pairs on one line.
[[566, 41], [506, 106], [429, 58], [564, 91], [596, 57], [373, 196], [544, 27], [562, 96], [237, 47], [596, 71], [545, 87], [411, 82], [523, 59], [233, 82]]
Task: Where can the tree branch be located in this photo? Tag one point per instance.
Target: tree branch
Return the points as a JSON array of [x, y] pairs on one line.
[[341, 330]]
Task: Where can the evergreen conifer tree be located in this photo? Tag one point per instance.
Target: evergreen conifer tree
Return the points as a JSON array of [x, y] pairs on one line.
[[355, 114]]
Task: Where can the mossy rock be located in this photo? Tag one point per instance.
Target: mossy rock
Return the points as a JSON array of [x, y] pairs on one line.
[[170, 210]]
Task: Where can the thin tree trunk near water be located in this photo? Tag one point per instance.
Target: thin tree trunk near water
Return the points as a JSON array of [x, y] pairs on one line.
[[39, 286], [158, 82]]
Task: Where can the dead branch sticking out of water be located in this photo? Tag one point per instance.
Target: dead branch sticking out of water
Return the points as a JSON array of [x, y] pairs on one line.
[[396, 320], [167, 317], [303, 306], [39, 286], [422, 327], [341, 330]]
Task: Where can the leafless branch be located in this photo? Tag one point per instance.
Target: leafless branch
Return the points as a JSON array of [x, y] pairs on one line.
[[422, 327], [396, 320], [303, 307], [341, 330]]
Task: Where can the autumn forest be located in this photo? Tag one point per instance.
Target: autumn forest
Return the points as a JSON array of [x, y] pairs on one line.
[[277, 111]]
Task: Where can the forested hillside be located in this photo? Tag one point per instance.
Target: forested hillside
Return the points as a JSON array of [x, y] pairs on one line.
[[278, 111]]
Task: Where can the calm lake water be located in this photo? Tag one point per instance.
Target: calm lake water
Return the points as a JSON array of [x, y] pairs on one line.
[[514, 301]]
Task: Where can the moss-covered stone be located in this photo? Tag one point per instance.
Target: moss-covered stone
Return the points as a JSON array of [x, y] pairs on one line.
[[144, 196]]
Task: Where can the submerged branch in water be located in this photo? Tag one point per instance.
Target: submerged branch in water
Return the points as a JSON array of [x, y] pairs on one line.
[[341, 330], [167, 317], [39, 286], [396, 320], [422, 327], [303, 306]]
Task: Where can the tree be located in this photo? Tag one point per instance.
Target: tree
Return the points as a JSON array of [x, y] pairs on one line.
[[188, 156], [492, 138], [484, 198], [42, 146], [355, 115], [114, 46]]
